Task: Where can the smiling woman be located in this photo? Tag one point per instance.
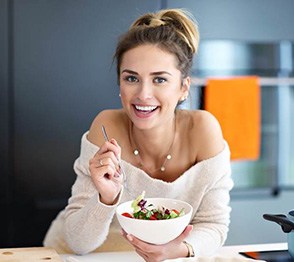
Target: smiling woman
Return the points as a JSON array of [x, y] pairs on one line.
[[164, 151]]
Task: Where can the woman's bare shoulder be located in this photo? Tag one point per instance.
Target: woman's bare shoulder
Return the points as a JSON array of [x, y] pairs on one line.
[[198, 119], [112, 119], [206, 131]]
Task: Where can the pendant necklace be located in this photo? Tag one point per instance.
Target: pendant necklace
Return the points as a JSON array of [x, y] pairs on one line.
[[136, 151]]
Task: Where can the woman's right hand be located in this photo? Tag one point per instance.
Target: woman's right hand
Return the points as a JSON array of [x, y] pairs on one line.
[[105, 173]]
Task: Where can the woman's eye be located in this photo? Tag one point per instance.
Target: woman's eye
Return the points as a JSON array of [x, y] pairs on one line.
[[159, 80], [131, 79]]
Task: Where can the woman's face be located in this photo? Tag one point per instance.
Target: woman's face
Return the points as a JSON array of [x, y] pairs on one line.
[[151, 86]]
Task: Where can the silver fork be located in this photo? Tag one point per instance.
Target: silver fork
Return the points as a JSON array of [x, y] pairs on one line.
[[119, 164]]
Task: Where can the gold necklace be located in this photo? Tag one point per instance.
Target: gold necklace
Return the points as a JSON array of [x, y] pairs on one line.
[[136, 152]]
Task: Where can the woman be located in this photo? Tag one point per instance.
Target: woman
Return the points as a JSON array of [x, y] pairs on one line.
[[164, 151]]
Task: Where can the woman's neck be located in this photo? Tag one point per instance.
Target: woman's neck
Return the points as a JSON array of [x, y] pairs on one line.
[[152, 147]]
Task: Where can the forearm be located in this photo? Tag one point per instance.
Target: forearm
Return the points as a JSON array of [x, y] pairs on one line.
[[212, 219], [87, 227], [207, 239]]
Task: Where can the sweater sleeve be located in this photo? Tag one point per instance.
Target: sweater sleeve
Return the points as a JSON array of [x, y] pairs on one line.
[[211, 220], [87, 220]]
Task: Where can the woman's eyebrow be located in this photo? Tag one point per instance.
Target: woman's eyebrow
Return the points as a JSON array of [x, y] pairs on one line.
[[152, 73], [160, 73], [129, 71]]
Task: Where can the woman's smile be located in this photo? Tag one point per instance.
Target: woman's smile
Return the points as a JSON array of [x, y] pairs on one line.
[[145, 111]]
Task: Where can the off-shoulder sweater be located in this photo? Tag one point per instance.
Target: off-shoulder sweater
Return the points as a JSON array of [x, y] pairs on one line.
[[87, 225]]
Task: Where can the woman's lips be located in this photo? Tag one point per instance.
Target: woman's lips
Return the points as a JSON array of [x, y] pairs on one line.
[[144, 111]]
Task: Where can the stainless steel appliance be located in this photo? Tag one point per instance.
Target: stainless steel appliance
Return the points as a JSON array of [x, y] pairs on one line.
[[273, 63]]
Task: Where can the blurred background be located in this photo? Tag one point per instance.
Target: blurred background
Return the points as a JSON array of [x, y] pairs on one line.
[[56, 74]]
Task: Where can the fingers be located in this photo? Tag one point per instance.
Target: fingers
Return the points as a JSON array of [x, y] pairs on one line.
[[111, 146], [140, 246], [152, 252], [184, 234], [114, 142], [101, 171], [99, 163], [145, 256], [146, 247], [107, 156]]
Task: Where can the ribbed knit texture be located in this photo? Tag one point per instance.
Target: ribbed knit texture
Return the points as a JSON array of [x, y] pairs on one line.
[[87, 225]]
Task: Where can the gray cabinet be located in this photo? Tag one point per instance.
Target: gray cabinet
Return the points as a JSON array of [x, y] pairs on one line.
[[56, 74]]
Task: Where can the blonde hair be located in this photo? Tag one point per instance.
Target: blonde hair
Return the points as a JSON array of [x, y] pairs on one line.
[[173, 30]]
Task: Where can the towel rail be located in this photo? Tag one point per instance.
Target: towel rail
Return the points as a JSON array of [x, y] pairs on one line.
[[264, 81]]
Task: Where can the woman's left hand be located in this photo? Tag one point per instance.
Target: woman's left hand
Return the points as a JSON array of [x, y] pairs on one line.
[[155, 253]]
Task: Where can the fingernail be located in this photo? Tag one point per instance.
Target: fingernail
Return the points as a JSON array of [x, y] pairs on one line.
[[129, 237]]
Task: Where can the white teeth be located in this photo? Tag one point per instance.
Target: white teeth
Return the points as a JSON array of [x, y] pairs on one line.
[[145, 108]]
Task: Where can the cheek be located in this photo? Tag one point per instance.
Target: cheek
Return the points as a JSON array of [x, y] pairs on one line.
[[176, 93], [122, 89], [128, 90], [125, 95]]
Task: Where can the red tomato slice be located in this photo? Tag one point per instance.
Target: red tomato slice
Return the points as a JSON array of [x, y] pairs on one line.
[[153, 217], [176, 211], [126, 214]]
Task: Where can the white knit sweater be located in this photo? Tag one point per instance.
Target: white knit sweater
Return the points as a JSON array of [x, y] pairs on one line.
[[88, 225]]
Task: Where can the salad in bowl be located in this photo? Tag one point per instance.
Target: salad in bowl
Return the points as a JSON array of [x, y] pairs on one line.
[[154, 220], [142, 210]]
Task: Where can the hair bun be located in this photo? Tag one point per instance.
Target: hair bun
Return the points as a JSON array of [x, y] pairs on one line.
[[149, 19], [154, 22], [179, 19], [185, 25]]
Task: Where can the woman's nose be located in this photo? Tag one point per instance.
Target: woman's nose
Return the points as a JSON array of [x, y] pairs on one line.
[[145, 91]]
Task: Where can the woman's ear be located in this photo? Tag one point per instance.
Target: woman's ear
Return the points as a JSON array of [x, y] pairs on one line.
[[185, 88]]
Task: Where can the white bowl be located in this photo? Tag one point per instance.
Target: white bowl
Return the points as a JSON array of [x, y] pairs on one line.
[[155, 231]]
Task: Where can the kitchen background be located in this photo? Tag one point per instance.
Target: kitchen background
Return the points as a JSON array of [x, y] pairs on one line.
[[56, 74]]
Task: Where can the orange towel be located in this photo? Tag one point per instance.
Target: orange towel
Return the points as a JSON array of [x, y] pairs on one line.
[[235, 102]]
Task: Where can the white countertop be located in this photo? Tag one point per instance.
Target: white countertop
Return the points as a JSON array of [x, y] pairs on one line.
[[229, 253]]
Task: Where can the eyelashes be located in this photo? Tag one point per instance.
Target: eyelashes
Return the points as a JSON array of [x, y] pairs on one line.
[[134, 79], [160, 80], [131, 79]]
